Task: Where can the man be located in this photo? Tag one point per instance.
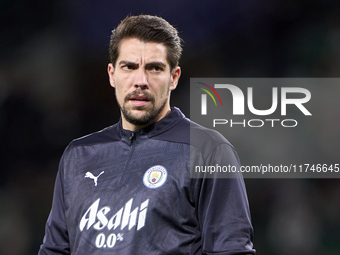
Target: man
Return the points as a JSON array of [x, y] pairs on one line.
[[127, 189]]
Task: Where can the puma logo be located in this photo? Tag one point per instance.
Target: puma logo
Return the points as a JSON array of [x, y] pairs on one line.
[[94, 178]]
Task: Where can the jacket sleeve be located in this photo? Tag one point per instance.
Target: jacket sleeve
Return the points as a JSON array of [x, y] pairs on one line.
[[56, 239], [223, 209]]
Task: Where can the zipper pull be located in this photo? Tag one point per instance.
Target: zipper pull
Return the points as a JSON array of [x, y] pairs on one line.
[[132, 136]]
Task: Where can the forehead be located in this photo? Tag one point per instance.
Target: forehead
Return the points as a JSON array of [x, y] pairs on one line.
[[133, 49]]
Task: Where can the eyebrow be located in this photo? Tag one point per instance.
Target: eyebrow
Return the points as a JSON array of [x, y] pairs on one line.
[[124, 62], [148, 65], [156, 63]]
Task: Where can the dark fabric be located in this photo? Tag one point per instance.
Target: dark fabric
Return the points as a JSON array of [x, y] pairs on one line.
[[110, 197]]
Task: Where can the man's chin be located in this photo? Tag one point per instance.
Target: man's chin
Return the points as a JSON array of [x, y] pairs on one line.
[[139, 117]]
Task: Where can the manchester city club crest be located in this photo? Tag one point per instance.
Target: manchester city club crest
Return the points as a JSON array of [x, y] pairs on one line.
[[155, 177]]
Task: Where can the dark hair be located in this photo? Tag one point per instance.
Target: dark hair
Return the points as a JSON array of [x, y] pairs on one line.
[[147, 29]]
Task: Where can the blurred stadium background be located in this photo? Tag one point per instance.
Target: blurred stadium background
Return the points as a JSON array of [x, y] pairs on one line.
[[54, 88]]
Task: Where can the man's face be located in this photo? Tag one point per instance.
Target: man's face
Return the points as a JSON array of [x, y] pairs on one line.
[[143, 81]]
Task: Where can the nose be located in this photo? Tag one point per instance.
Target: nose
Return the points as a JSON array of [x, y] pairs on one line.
[[141, 79]]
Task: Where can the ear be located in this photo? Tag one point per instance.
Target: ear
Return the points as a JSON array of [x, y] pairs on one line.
[[110, 71], [175, 74]]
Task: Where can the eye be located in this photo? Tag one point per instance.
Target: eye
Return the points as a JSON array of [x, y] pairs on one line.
[[156, 68], [128, 67]]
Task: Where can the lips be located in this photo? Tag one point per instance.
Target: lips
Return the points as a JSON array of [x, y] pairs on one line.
[[139, 100]]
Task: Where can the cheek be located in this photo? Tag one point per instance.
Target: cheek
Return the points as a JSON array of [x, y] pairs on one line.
[[164, 87], [119, 94], [165, 91], [120, 90]]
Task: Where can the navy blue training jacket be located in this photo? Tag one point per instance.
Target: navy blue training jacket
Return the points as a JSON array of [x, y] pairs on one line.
[[123, 192]]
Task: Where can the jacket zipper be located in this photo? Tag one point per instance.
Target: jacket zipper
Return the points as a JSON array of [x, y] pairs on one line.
[[124, 177]]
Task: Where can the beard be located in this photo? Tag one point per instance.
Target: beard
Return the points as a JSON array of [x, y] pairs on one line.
[[149, 114]]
